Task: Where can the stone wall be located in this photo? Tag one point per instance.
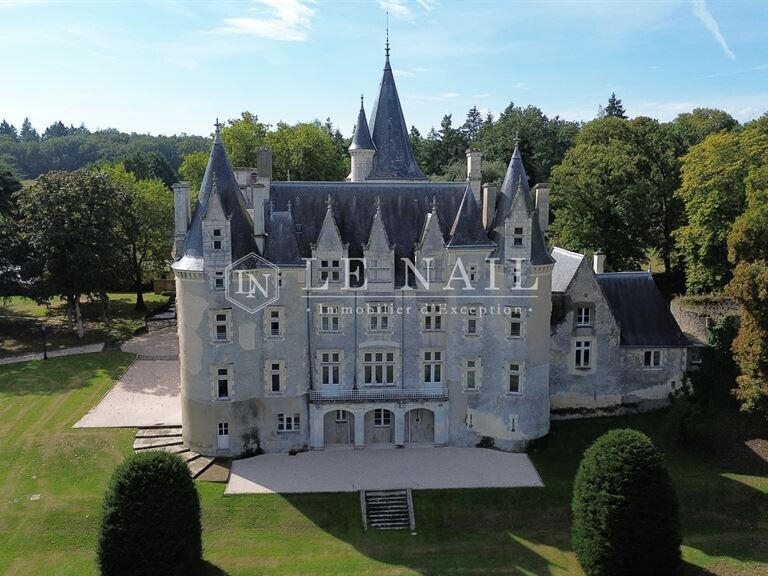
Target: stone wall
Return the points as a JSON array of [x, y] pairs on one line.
[[696, 318]]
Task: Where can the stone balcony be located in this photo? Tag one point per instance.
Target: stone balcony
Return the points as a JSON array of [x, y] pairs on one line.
[[379, 395]]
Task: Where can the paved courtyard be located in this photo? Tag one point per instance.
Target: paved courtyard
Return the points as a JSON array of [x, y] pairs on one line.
[[148, 393], [371, 469]]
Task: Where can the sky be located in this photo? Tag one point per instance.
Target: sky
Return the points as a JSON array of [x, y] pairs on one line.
[[169, 67]]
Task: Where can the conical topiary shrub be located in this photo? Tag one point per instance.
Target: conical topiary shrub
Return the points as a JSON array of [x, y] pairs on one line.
[[151, 519], [625, 516]]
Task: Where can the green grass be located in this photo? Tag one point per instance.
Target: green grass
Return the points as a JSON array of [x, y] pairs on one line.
[[724, 500], [21, 320]]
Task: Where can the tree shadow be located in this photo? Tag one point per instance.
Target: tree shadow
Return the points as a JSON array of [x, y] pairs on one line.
[[209, 569]]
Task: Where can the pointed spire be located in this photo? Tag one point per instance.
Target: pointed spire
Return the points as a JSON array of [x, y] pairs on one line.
[[378, 239], [329, 232], [386, 50], [432, 228], [467, 229], [394, 158], [361, 137], [515, 183], [217, 131]]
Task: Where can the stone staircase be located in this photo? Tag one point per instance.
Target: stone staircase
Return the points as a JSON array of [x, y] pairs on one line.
[[168, 439], [387, 509]]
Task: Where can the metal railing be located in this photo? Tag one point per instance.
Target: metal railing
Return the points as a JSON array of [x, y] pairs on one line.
[[379, 394]]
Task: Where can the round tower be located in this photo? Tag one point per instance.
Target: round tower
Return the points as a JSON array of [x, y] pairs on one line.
[[361, 150]]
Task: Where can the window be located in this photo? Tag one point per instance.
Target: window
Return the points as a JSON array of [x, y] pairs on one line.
[[432, 317], [378, 317], [515, 323], [517, 236], [472, 322], [583, 359], [378, 269], [273, 318], [288, 422], [330, 368], [341, 416], [221, 383], [275, 377], [218, 280], [330, 321], [330, 270], [379, 368], [433, 366], [223, 428], [280, 279], [221, 326], [695, 356], [382, 418], [583, 316], [471, 374], [652, 359], [217, 238], [432, 269], [514, 377]]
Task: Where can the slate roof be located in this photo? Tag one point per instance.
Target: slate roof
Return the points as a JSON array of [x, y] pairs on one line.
[[361, 138], [539, 254], [467, 229], [640, 310], [566, 265], [515, 182], [220, 168], [394, 158], [404, 207], [281, 245]]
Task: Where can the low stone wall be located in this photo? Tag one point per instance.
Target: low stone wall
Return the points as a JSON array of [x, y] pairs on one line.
[[695, 319]]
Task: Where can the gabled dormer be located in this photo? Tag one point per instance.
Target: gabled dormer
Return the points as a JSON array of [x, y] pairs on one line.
[[217, 234], [467, 230], [430, 253], [518, 225], [379, 254], [329, 251]]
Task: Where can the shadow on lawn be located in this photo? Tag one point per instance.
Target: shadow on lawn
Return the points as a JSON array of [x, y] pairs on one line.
[[53, 376], [209, 569]]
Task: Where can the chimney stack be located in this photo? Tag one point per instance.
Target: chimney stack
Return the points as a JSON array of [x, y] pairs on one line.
[[489, 204], [542, 205], [259, 195], [598, 261], [474, 173], [182, 209]]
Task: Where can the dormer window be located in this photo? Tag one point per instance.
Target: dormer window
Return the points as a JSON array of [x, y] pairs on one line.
[[517, 236], [217, 238], [583, 316], [330, 270]]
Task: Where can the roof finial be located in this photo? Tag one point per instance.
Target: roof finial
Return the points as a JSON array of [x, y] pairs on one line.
[[361, 101], [387, 49], [378, 205], [214, 185], [434, 204], [517, 138], [290, 206], [329, 202], [218, 126]]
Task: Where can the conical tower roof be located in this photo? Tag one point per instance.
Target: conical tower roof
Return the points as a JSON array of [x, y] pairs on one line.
[[467, 229], [361, 139], [394, 158]]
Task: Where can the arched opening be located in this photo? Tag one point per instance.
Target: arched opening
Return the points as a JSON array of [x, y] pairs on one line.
[[379, 426], [420, 426], [339, 427]]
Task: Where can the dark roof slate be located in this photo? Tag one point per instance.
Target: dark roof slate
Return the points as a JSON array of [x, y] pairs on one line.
[[539, 254], [467, 229], [515, 182], [281, 245], [640, 310], [220, 169], [361, 138], [394, 158], [404, 207]]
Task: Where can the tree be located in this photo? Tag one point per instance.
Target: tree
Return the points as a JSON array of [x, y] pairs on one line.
[[192, 170], [148, 165], [694, 126], [625, 512], [145, 224], [56, 130], [66, 222], [600, 194], [472, 125], [9, 184], [8, 130], [150, 519], [28, 133], [613, 109], [712, 190], [242, 138], [304, 151]]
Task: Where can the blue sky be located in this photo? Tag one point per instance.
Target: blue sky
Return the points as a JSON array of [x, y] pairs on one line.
[[171, 67]]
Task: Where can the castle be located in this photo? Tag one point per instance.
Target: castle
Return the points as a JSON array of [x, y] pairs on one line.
[[453, 324]]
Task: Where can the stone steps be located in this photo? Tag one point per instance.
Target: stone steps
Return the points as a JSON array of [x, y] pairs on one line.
[[388, 510], [168, 439]]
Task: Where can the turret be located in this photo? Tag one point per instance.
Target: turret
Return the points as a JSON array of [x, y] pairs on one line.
[[361, 150]]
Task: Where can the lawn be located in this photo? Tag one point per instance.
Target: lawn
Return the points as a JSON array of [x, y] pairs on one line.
[[21, 320], [724, 500]]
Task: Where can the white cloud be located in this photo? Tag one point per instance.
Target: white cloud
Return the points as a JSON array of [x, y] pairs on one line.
[[286, 20], [483, 95], [427, 5], [398, 9], [411, 72], [701, 12]]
